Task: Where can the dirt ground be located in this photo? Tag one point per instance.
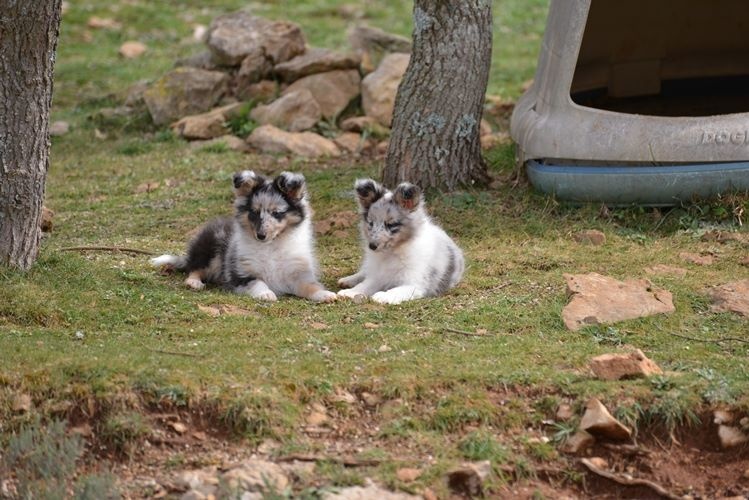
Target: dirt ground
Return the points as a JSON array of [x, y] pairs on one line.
[[688, 463]]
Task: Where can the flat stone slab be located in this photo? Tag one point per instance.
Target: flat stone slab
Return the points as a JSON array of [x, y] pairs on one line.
[[315, 61], [270, 139], [184, 91], [234, 36], [618, 366], [600, 423], [597, 299], [731, 297]]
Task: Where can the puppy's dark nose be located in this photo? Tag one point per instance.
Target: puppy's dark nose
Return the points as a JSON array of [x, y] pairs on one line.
[[373, 246], [261, 236]]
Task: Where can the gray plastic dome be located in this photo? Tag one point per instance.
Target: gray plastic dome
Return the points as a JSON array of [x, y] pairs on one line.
[[639, 101]]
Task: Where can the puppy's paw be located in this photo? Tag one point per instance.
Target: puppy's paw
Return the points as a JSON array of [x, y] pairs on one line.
[[348, 281], [386, 298], [323, 296], [266, 295], [354, 295], [195, 283]]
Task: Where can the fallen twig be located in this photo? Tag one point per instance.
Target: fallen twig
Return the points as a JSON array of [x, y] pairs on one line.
[[710, 341], [345, 461], [463, 332], [627, 481], [107, 249], [175, 353]]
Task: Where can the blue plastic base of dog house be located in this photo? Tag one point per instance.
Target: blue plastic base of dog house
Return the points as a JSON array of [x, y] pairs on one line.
[[634, 184]]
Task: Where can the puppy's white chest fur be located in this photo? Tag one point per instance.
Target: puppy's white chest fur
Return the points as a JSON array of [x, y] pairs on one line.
[[406, 256], [277, 262]]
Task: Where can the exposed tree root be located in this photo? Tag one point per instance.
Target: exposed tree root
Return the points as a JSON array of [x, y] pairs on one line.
[[626, 481]]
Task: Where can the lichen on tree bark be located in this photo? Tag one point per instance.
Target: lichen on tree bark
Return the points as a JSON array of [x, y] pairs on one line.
[[435, 132]]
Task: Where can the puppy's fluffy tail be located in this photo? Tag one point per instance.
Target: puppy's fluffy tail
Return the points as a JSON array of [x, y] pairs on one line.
[[178, 262]]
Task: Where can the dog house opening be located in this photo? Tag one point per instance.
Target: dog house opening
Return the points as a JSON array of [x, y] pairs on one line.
[[665, 57]]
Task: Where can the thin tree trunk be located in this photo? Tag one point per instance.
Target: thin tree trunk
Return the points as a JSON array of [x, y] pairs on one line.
[[28, 39], [435, 135]]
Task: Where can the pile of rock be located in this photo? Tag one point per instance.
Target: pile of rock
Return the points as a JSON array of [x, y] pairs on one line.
[[297, 91]]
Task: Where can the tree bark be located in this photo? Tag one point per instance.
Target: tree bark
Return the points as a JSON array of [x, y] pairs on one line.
[[435, 135], [28, 38]]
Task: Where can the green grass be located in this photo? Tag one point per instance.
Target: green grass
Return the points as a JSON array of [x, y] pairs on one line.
[[104, 331]]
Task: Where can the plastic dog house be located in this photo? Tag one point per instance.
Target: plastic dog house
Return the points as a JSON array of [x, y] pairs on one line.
[[639, 101]]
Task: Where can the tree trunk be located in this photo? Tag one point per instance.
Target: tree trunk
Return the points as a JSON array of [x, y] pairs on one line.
[[28, 39], [435, 135]]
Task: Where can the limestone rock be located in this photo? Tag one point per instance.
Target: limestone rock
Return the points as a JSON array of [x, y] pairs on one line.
[[469, 478], [662, 269], [184, 92], [364, 124], [317, 416], [590, 237], [333, 90], [231, 142], [133, 96], [295, 111], [723, 417], [255, 476], [619, 366], [315, 61], [578, 443], [46, 222], [372, 44], [695, 258], [342, 396], [21, 403], [351, 142], [407, 474], [232, 37], [198, 482], [207, 125], [263, 91], [103, 23], [731, 297], [254, 68], [132, 50], [731, 436], [370, 492], [199, 31], [599, 422], [270, 139], [201, 60], [597, 299], [370, 399], [59, 128], [379, 88], [564, 412]]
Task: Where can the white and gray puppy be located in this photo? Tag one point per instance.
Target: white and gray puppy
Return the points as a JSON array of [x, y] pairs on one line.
[[264, 250], [406, 256]]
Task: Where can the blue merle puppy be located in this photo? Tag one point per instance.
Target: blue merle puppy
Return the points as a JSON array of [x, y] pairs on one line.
[[265, 250]]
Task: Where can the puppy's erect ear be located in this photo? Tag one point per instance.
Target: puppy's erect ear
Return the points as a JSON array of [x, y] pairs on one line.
[[244, 182], [407, 196], [368, 192], [290, 184]]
